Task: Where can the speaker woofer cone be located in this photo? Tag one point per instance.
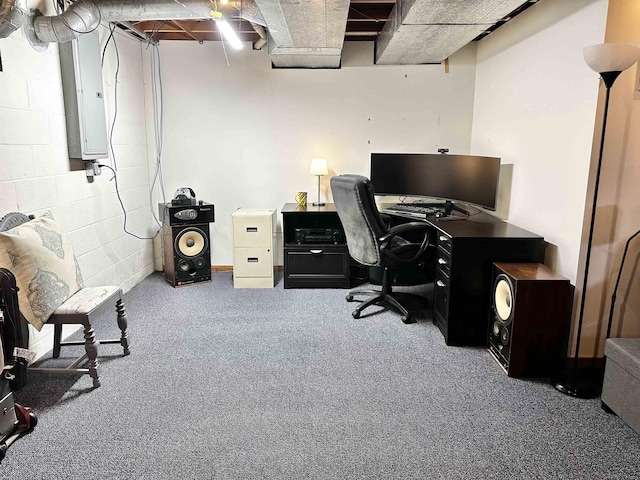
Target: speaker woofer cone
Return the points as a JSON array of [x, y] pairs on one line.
[[503, 294], [191, 242]]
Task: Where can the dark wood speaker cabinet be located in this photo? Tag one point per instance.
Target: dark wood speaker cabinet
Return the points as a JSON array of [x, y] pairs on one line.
[[186, 242], [529, 318]]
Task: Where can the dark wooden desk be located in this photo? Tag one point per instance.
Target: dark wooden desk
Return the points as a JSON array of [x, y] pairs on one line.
[[466, 250]]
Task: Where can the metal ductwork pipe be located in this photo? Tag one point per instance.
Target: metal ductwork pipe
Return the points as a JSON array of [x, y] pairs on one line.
[[124, 10], [85, 15], [81, 17], [11, 17]]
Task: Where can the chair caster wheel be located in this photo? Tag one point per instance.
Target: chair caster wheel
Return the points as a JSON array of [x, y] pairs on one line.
[[349, 298], [355, 314]]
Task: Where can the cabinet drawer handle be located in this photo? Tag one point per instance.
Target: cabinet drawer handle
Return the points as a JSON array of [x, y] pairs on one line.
[[440, 283], [252, 259], [315, 252], [252, 229], [442, 261]]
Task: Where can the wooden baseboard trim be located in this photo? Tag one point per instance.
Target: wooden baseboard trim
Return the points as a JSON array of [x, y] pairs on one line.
[[229, 268]]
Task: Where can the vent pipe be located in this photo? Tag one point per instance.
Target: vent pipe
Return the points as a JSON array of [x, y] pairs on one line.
[[81, 17], [84, 15], [262, 32], [11, 17]]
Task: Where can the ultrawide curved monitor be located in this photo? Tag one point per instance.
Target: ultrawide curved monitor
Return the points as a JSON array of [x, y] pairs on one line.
[[469, 179]]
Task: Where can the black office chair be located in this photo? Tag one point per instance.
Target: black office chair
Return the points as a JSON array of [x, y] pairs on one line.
[[372, 243]]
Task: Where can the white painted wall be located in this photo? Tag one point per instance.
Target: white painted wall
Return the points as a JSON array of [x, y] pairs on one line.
[[35, 173], [535, 105], [244, 134]]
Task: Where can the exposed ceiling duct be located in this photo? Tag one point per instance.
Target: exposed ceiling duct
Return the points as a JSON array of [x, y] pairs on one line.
[[428, 31], [300, 34], [84, 15], [11, 17], [81, 17], [307, 34]]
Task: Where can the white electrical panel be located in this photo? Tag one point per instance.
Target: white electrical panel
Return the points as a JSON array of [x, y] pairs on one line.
[[80, 64]]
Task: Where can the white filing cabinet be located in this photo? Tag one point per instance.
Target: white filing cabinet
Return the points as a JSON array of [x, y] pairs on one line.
[[253, 247]]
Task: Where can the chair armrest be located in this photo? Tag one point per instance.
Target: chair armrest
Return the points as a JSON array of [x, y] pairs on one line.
[[385, 240], [402, 228]]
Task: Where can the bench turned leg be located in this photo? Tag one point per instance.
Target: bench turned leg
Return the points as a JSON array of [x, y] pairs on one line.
[[122, 324], [91, 347]]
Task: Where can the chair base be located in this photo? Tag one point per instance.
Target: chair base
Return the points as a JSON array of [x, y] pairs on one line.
[[382, 299]]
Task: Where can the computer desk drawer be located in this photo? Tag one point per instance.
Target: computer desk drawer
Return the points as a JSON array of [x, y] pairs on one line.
[[316, 266], [443, 242], [441, 296], [443, 262]]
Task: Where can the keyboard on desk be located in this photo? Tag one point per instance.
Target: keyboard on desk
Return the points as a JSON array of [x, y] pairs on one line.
[[415, 210]]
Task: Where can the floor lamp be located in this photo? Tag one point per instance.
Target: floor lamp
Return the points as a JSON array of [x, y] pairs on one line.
[[609, 60], [319, 168]]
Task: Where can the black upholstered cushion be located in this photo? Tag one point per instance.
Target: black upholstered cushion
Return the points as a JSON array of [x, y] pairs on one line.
[[363, 226]]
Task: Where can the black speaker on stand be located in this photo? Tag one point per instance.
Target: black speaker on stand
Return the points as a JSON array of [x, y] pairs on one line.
[[530, 317], [185, 242]]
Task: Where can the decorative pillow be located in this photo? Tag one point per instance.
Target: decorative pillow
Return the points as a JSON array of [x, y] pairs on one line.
[[39, 255]]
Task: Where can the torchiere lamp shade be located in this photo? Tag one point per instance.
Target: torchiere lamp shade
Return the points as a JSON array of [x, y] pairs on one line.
[[611, 57]]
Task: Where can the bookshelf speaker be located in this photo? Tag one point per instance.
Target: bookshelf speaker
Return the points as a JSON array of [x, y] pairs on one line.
[[529, 318], [187, 257]]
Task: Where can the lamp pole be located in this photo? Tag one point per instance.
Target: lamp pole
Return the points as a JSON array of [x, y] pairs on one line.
[[319, 204], [609, 60], [319, 168], [572, 388]]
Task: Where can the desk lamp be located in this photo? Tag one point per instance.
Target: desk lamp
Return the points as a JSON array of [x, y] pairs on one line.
[[609, 60], [319, 168]]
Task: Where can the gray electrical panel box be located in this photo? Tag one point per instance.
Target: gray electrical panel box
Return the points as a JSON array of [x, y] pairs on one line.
[[80, 65]]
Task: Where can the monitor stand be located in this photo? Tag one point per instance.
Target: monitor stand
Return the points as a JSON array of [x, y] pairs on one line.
[[449, 206]]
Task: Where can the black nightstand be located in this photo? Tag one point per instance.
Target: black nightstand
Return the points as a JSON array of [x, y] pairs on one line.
[[315, 248]]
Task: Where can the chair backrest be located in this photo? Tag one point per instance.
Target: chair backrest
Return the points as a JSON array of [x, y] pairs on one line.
[[355, 203]]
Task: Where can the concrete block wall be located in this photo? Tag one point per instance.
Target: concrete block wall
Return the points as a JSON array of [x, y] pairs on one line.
[[36, 174]]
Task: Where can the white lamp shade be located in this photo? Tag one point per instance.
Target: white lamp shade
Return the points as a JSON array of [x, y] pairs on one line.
[[319, 166], [611, 57]]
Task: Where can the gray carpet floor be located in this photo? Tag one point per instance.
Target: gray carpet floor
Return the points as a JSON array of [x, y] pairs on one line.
[[273, 383]]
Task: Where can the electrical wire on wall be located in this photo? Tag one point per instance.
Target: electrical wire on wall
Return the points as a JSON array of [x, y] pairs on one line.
[[158, 131], [124, 211], [158, 123], [112, 29]]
